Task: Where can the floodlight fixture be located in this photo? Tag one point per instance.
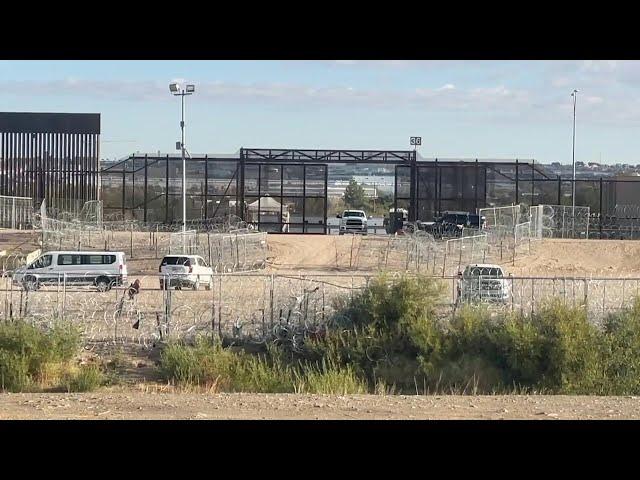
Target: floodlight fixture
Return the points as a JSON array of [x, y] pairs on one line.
[[191, 88], [174, 87]]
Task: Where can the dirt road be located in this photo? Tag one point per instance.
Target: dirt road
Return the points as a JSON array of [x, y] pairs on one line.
[[136, 405]]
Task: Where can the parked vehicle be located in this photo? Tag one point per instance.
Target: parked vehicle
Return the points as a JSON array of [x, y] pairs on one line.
[[483, 282], [451, 224], [103, 270], [353, 221], [185, 271], [396, 221]]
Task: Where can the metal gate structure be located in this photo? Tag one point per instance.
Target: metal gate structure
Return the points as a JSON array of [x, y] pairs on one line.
[[286, 190]]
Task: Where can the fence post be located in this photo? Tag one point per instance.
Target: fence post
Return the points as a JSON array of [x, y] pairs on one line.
[[131, 241], [271, 300], [586, 295], [237, 254], [444, 261], [533, 298], [213, 308], [64, 294], [512, 294], [353, 238]]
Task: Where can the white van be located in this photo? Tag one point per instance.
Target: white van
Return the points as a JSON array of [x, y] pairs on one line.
[[100, 269]]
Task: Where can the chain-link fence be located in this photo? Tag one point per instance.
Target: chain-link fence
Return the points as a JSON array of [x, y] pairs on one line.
[[277, 307], [238, 249]]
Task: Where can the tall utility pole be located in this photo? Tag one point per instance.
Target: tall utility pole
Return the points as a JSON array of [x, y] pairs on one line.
[[177, 90], [574, 94]]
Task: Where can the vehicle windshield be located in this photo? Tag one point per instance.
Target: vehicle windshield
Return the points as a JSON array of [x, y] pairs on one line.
[[41, 262], [176, 261], [351, 213], [483, 272]]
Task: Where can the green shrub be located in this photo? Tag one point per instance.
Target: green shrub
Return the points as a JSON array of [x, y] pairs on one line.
[[394, 323], [556, 349], [210, 365], [14, 371], [621, 352], [329, 378], [387, 304], [86, 379], [31, 357]]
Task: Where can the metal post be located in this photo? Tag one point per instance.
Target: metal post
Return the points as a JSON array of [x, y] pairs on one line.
[[475, 189], [206, 188], [517, 174], [573, 161], [184, 174], [146, 178], [600, 219]]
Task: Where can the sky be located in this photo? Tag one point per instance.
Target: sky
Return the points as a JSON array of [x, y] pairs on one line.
[[461, 109]]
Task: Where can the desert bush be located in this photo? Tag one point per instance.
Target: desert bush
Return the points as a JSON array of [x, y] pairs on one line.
[[392, 304], [208, 364], [32, 358], [86, 378], [329, 378], [555, 349], [621, 352], [394, 323]]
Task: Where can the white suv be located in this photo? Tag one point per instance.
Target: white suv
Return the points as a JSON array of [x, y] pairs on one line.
[[353, 221], [482, 282], [185, 271]]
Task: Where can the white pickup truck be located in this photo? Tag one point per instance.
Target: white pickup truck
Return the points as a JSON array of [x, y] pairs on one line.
[[481, 282], [353, 221]]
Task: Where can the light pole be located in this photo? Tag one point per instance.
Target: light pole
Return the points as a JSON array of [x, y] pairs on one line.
[[177, 90], [574, 94]]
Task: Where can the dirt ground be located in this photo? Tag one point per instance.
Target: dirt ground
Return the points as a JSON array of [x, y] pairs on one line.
[[597, 258], [333, 254], [548, 257], [131, 404]]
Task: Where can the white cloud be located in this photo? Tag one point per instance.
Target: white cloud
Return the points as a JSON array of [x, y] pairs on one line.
[[602, 100]]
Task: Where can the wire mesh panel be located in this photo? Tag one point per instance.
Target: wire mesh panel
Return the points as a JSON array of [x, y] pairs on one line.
[[565, 221], [501, 217], [535, 219], [185, 242], [16, 212], [464, 251], [91, 213]]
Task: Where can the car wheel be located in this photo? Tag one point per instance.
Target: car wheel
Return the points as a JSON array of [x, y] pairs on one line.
[[30, 284], [103, 284]]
